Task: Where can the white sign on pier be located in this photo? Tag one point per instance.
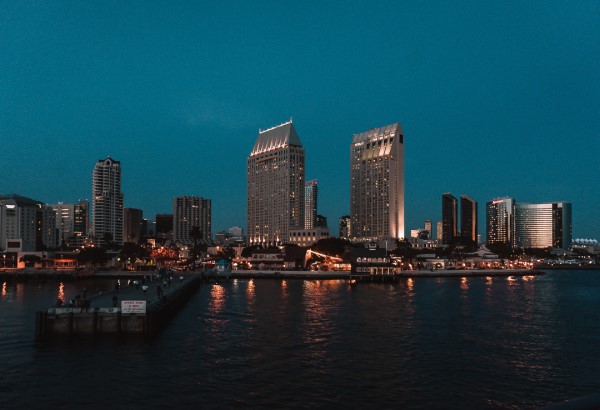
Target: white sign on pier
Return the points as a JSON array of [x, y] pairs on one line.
[[133, 306]]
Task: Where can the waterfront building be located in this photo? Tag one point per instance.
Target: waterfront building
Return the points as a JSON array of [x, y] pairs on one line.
[[133, 225], [345, 224], [468, 220], [377, 184], [190, 212], [543, 225], [107, 202], [308, 237], [500, 221], [311, 190], [275, 186], [439, 231], [72, 221], [449, 218], [26, 225], [428, 228]]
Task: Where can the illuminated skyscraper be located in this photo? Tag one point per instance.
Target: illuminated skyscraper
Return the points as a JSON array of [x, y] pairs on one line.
[[500, 221], [544, 225], [311, 190], [468, 220], [107, 202], [377, 184], [449, 218], [275, 185], [429, 228]]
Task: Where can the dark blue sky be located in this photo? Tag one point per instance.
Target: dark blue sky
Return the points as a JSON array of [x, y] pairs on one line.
[[495, 98]]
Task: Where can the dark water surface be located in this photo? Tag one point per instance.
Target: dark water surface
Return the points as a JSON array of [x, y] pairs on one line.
[[417, 344]]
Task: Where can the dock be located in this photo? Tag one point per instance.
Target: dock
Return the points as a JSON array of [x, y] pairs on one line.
[[138, 309]]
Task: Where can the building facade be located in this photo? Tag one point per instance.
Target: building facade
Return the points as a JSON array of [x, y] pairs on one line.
[[500, 221], [311, 190], [26, 224], [428, 228], [468, 220], [449, 218], [377, 184], [72, 221], [132, 229], [107, 202], [543, 225], [439, 232], [275, 182], [345, 227], [190, 212], [308, 237]]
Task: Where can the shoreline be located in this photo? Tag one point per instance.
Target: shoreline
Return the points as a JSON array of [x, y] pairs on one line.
[[256, 274]]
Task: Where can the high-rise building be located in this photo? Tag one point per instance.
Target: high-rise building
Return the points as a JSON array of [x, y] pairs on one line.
[[439, 231], [543, 225], [449, 218], [190, 212], [311, 190], [107, 202], [132, 230], [275, 185], [345, 227], [72, 221], [377, 184], [500, 221], [468, 220], [26, 224]]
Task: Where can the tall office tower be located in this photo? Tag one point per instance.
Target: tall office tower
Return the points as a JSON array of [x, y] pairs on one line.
[[377, 184], [439, 231], [428, 228], [65, 220], [468, 220], [543, 225], [188, 212], [107, 202], [26, 224], [71, 221], [132, 229], [449, 218], [275, 186], [345, 227], [500, 221], [310, 203]]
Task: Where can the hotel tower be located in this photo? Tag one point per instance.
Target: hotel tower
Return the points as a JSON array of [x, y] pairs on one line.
[[377, 184], [275, 186], [107, 202]]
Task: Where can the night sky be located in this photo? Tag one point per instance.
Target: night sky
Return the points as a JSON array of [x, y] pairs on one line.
[[496, 98]]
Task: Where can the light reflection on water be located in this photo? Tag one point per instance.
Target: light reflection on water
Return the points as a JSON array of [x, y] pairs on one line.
[[298, 344]]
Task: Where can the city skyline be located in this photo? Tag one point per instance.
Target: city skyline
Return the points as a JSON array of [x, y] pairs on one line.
[[493, 97]]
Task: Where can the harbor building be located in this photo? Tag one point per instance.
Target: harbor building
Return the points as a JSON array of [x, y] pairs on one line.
[[275, 182], [449, 218], [500, 221], [543, 225], [311, 190], [468, 220], [190, 212], [377, 184], [107, 202]]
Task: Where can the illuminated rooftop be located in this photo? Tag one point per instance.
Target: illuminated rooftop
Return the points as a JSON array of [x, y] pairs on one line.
[[276, 137]]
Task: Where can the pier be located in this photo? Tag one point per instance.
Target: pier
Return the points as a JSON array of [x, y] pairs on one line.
[[139, 309]]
